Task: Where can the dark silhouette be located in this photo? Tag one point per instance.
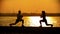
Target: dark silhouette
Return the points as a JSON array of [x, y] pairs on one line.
[[44, 19], [19, 18]]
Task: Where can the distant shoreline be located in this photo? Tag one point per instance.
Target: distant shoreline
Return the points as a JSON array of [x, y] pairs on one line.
[[29, 14]]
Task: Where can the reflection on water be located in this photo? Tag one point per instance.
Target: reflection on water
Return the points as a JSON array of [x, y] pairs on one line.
[[30, 21]]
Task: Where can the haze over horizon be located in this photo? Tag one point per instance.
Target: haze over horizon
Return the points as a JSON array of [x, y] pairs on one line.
[[28, 6]]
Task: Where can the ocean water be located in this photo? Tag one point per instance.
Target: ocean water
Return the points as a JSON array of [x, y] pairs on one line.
[[30, 21]]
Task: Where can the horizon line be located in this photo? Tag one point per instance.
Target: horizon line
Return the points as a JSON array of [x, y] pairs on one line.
[[29, 14]]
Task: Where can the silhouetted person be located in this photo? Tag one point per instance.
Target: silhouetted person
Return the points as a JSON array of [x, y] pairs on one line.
[[19, 18], [44, 19]]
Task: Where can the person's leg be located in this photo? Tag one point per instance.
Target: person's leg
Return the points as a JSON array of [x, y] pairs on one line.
[[40, 23], [22, 22], [48, 24], [15, 22]]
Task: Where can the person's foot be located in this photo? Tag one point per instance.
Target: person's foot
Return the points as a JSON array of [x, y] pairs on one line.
[[22, 25], [51, 25], [40, 26], [10, 24]]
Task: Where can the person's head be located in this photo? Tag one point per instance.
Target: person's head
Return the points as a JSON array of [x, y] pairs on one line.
[[43, 12], [19, 12]]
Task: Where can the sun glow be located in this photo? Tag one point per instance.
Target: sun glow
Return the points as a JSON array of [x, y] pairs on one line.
[[35, 21]]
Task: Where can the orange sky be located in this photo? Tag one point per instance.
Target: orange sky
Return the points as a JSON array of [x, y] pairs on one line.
[[28, 6]]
